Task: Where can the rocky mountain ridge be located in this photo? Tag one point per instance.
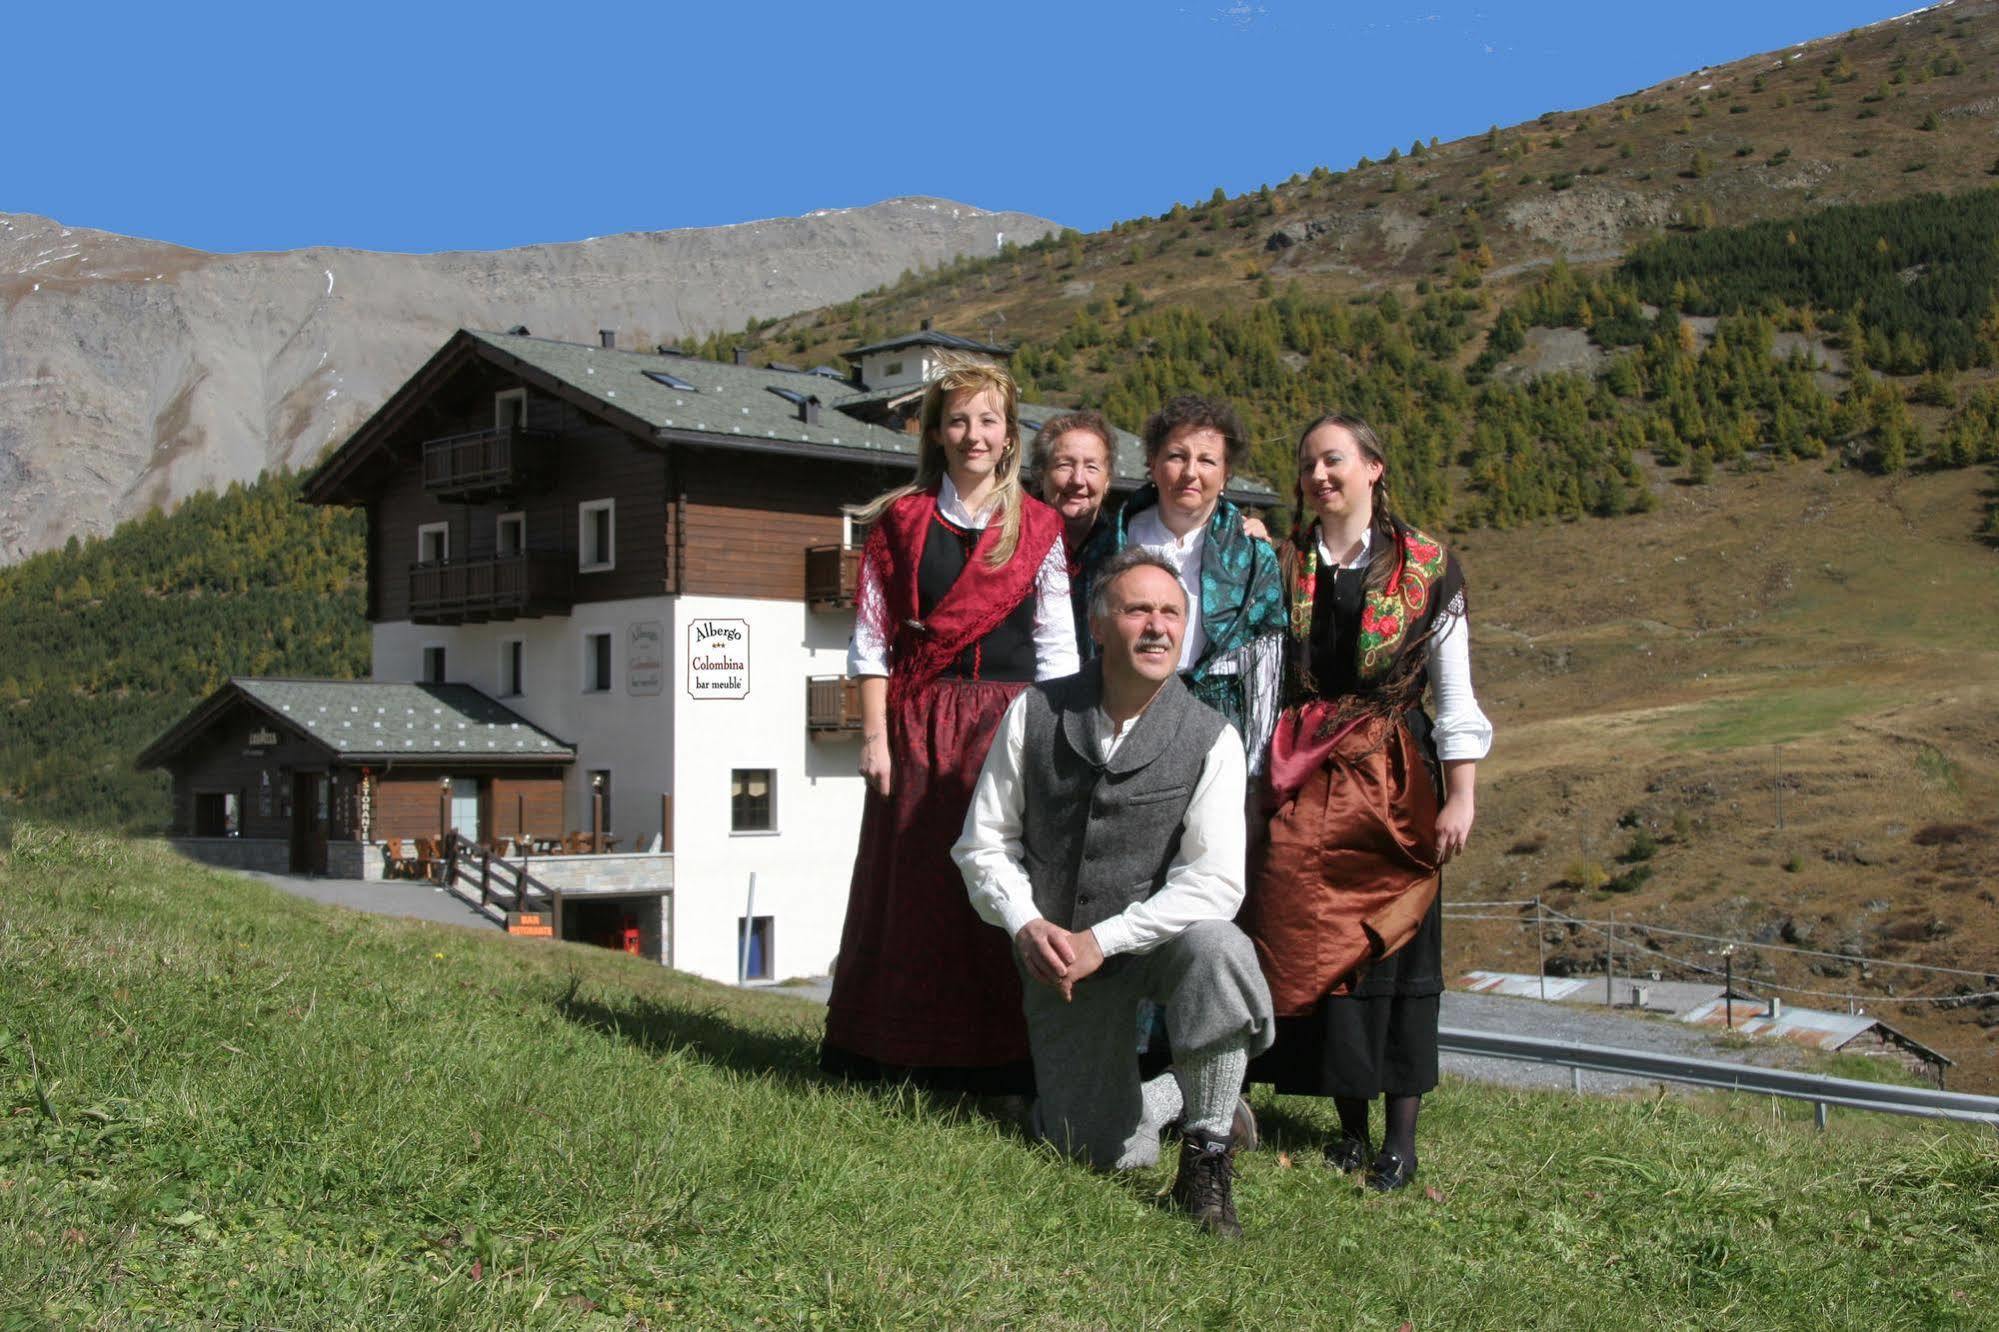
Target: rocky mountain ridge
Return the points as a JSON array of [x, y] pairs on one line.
[[134, 373]]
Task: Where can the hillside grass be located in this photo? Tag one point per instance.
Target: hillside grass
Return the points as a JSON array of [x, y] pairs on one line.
[[228, 1108]]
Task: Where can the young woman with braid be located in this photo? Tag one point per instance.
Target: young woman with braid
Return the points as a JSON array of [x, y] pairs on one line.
[[963, 601], [1368, 798]]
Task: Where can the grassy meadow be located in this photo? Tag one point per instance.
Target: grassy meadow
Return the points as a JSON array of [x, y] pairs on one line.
[[227, 1108]]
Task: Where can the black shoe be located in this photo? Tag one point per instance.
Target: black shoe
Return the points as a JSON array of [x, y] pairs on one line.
[[1203, 1188], [1390, 1171], [1348, 1154]]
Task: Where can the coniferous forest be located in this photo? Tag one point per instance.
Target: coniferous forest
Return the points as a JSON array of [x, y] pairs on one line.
[[1716, 352]]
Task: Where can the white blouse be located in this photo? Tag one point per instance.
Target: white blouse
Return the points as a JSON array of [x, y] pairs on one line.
[[1054, 621], [1461, 729]]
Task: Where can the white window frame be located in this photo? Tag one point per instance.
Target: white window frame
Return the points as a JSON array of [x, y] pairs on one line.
[[508, 658], [590, 685], [499, 525], [500, 401], [423, 663], [423, 532], [584, 564]]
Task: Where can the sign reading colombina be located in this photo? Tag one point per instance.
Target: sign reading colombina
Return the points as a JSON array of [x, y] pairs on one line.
[[718, 658]]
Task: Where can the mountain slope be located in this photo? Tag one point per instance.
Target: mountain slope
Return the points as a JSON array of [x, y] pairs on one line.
[[134, 373]]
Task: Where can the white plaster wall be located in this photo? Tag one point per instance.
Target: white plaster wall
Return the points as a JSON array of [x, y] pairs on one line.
[[632, 736], [803, 868], [919, 366]]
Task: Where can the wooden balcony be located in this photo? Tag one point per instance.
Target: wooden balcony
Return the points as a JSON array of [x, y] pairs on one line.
[[832, 577], [507, 588], [487, 464], [832, 707]]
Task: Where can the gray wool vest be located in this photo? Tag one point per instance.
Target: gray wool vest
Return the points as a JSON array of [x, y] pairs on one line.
[[1095, 836]]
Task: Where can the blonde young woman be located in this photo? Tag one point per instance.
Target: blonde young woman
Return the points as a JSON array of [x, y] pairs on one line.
[[1369, 797], [964, 600]]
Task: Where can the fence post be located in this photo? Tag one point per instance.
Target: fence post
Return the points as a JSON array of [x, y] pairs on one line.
[[1819, 1114], [1576, 1078], [1541, 946]]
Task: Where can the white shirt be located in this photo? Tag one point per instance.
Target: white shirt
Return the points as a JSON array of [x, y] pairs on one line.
[[1204, 882], [1461, 729], [1054, 620], [1184, 554]]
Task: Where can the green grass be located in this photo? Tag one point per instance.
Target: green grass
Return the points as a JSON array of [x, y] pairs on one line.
[[1774, 716], [227, 1108]]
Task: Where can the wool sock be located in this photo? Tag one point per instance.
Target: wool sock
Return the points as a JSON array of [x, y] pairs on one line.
[[1163, 1101], [1210, 1084]]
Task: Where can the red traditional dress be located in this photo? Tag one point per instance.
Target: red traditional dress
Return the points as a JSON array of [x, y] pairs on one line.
[[924, 989]]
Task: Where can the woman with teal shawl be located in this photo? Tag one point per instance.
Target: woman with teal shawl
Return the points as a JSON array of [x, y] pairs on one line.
[[1232, 653]]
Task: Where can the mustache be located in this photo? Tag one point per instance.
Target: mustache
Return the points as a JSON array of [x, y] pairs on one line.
[[1155, 640]]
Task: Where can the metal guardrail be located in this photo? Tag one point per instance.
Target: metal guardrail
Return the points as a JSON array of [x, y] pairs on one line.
[[1821, 1089]]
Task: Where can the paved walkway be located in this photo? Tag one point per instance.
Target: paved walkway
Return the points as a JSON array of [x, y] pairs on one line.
[[400, 897]]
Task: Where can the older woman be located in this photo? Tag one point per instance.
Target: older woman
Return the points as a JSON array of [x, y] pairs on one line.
[[1232, 654], [964, 600], [1369, 797], [1070, 462]]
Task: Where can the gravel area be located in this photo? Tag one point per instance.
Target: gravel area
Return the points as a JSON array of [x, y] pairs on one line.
[[419, 901]]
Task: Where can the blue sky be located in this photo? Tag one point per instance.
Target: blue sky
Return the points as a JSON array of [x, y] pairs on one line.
[[419, 126]]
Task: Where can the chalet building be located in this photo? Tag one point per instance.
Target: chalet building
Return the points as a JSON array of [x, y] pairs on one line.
[[624, 581]]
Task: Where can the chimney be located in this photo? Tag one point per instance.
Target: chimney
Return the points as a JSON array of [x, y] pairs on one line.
[[925, 325], [607, 338], [742, 356], [1776, 1008], [808, 411]]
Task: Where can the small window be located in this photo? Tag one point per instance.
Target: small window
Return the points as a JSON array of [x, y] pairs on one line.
[[752, 807], [753, 950], [510, 535], [511, 677], [892, 368], [671, 381], [599, 784], [596, 663], [433, 543], [510, 409], [433, 664], [597, 536], [217, 814]]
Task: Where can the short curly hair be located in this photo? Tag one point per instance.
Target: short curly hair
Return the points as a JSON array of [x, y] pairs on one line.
[[1192, 411], [1088, 420]]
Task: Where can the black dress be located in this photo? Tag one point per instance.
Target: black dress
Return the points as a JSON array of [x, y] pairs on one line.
[[1381, 1039]]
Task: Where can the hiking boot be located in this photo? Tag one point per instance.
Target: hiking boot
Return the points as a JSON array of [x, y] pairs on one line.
[[1204, 1186], [1242, 1128]]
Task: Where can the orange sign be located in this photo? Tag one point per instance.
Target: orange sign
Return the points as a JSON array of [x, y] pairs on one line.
[[533, 924]]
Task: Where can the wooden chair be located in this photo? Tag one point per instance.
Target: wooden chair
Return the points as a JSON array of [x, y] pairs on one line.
[[396, 862], [429, 862]]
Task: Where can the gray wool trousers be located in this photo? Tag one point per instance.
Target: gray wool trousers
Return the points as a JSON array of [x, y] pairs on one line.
[[1086, 1050]]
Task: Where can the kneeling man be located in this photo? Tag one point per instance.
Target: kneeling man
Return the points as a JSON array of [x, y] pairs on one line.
[[1106, 837]]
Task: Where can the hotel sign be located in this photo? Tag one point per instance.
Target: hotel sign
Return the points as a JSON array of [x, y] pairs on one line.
[[645, 657], [718, 658], [263, 739]]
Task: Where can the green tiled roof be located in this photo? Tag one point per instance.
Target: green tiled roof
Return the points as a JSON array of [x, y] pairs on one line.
[[365, 718], [733, 401]]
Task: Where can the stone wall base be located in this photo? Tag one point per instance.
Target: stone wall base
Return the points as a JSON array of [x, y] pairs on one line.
[[272, 855]]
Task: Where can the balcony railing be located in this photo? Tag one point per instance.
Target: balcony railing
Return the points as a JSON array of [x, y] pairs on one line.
[[485, 463], [832, 706], [506, 588], [832, 576]]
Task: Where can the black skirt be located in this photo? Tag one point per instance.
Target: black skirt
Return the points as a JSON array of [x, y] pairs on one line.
[[1380, 1040]]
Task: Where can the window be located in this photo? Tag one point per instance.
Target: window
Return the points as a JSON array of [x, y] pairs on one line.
[[510, 409], [433, 543], [433, 664], [753, 950], [891, 369], [596, 536], [751, 807], [510, 534], [596, 663], [217, 814], [511, 679], [670, 381], [599, 784]]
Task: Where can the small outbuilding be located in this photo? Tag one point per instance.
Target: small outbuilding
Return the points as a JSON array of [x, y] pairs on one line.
[[316, 776]]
